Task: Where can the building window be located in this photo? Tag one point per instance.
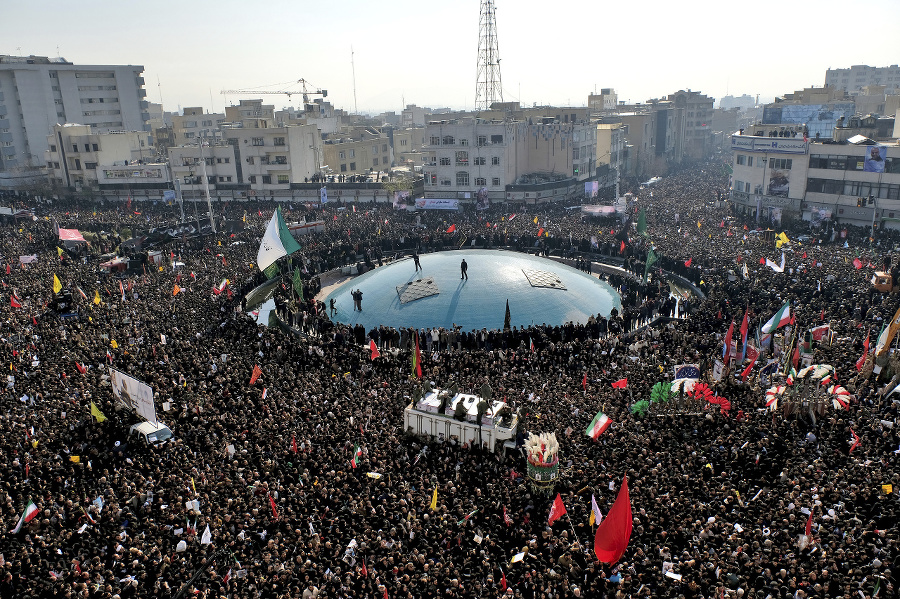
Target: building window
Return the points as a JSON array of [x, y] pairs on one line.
[[749, 160], [257, 141], [435, 141], [343, 168], [498, 139], [446, 182], [267, 179], [374, 162], [384, 160], [462, 158], [495, 181], [52, 148], [482, 140], [495, 160], [480, 161], [782, 164], [403, 142], [375, 149], [462, 178], [445, 161], [448, 140], [281, 160], [352, 155], [464, 142], [342, 156], [480, 181], [384, 147], [284, 179], [279, 141], [90, 165], [741, 159], [352, 164], [252, 179], [75, 147]]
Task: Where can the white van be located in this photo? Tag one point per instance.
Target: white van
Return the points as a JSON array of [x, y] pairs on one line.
[[151, 434]]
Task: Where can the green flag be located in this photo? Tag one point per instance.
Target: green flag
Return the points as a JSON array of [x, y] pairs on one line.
[[271, 271], [651, 260], [298, 284], [642, 223]]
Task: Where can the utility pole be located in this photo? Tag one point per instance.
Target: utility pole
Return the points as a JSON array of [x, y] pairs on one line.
[[212, 220]]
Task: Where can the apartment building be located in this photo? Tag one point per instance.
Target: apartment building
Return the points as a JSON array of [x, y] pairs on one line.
[[358, 151], [75, 153]]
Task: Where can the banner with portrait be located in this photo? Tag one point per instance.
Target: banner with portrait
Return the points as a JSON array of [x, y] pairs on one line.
[[482, 201], [873, 159], [135, 395]]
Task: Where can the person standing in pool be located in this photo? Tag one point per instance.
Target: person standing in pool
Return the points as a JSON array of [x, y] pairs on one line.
[[464, 268]]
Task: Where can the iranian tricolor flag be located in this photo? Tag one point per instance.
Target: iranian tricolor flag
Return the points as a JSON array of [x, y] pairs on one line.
[[31, 511], [599, 424], [357, 454], [781, 318]]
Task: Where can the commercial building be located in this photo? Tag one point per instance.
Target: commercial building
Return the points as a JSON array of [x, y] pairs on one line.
[[361, 150], [606, 100], [195, 124], [693, 113], [509, 160], [851, 182], [37, 92], [76, 153], [855, 78]]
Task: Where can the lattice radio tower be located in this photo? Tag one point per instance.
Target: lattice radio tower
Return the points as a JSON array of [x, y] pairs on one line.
[[488, 87]]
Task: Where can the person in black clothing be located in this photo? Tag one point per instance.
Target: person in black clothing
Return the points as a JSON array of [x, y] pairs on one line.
[[416, 260], [464, 268]]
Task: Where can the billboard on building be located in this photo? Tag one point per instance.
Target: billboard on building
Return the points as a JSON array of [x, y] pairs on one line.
[[482, 201], [591, 188], [135, 395], [436, 204], [779, 182], [873, 159]]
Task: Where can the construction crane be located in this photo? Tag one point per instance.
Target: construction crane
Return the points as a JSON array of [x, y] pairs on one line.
[[286, 92]]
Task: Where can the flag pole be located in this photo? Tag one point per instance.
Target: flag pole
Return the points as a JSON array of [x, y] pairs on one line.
[[574, 534]]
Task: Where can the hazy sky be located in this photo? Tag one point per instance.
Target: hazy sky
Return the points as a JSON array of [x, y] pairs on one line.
[[425, 53]]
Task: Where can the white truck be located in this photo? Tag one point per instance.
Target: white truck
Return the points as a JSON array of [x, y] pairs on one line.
[[498, 424]]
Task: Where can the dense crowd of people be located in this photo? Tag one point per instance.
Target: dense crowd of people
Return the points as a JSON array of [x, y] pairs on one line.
[[262, 493]]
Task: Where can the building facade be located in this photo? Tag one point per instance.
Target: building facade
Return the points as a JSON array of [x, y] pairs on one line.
[[361, 150], [858, 76], [75, 154], [194, 124], [508, 160], [37, 92], [693, 113]]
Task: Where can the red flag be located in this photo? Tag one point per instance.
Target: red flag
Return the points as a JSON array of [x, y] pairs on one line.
[[808, 531], [726, 349], [374, 349], [622, 247], [688, 262], [34, 320], [256, 372], [451, 228], [620, 384], [557, 511], [747, 370], [852, 447], [506, 519], [14, 302], [503, 581], [857, 263], [540, 231], [385, 594], [294, 444], [274, 509], [80, 367], [804, 254], [795, 359], [862, 358], [365, 571], [762, 260], [7, 269], [418, 359], [614, 532], [584, 382]]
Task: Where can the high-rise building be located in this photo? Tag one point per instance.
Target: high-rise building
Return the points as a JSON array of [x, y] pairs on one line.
[[37, 92], [858, 76]]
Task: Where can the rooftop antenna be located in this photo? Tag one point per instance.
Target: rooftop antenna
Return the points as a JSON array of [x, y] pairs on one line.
[[353, 69], [488, 84]]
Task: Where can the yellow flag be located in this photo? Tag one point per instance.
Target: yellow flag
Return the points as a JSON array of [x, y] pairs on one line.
[[57, 286], [698, 224], [220, 243], [888, 489], [75, 459], [592, 519], [535, 220], [114, 344], [176, 289], [193, 485], [97, 297], [434, 499], [96, 413], [59, 251]]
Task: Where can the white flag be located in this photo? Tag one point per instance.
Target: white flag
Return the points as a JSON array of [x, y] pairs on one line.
[[276, 242], [206, 539]]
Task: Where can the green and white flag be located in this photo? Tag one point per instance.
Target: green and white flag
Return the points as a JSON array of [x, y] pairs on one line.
[[780, 319], [276, 242], [298, 283], [27, 516]]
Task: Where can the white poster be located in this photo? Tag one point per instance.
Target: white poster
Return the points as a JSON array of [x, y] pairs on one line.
[[323, 194], [436, 204], [134, 394]]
